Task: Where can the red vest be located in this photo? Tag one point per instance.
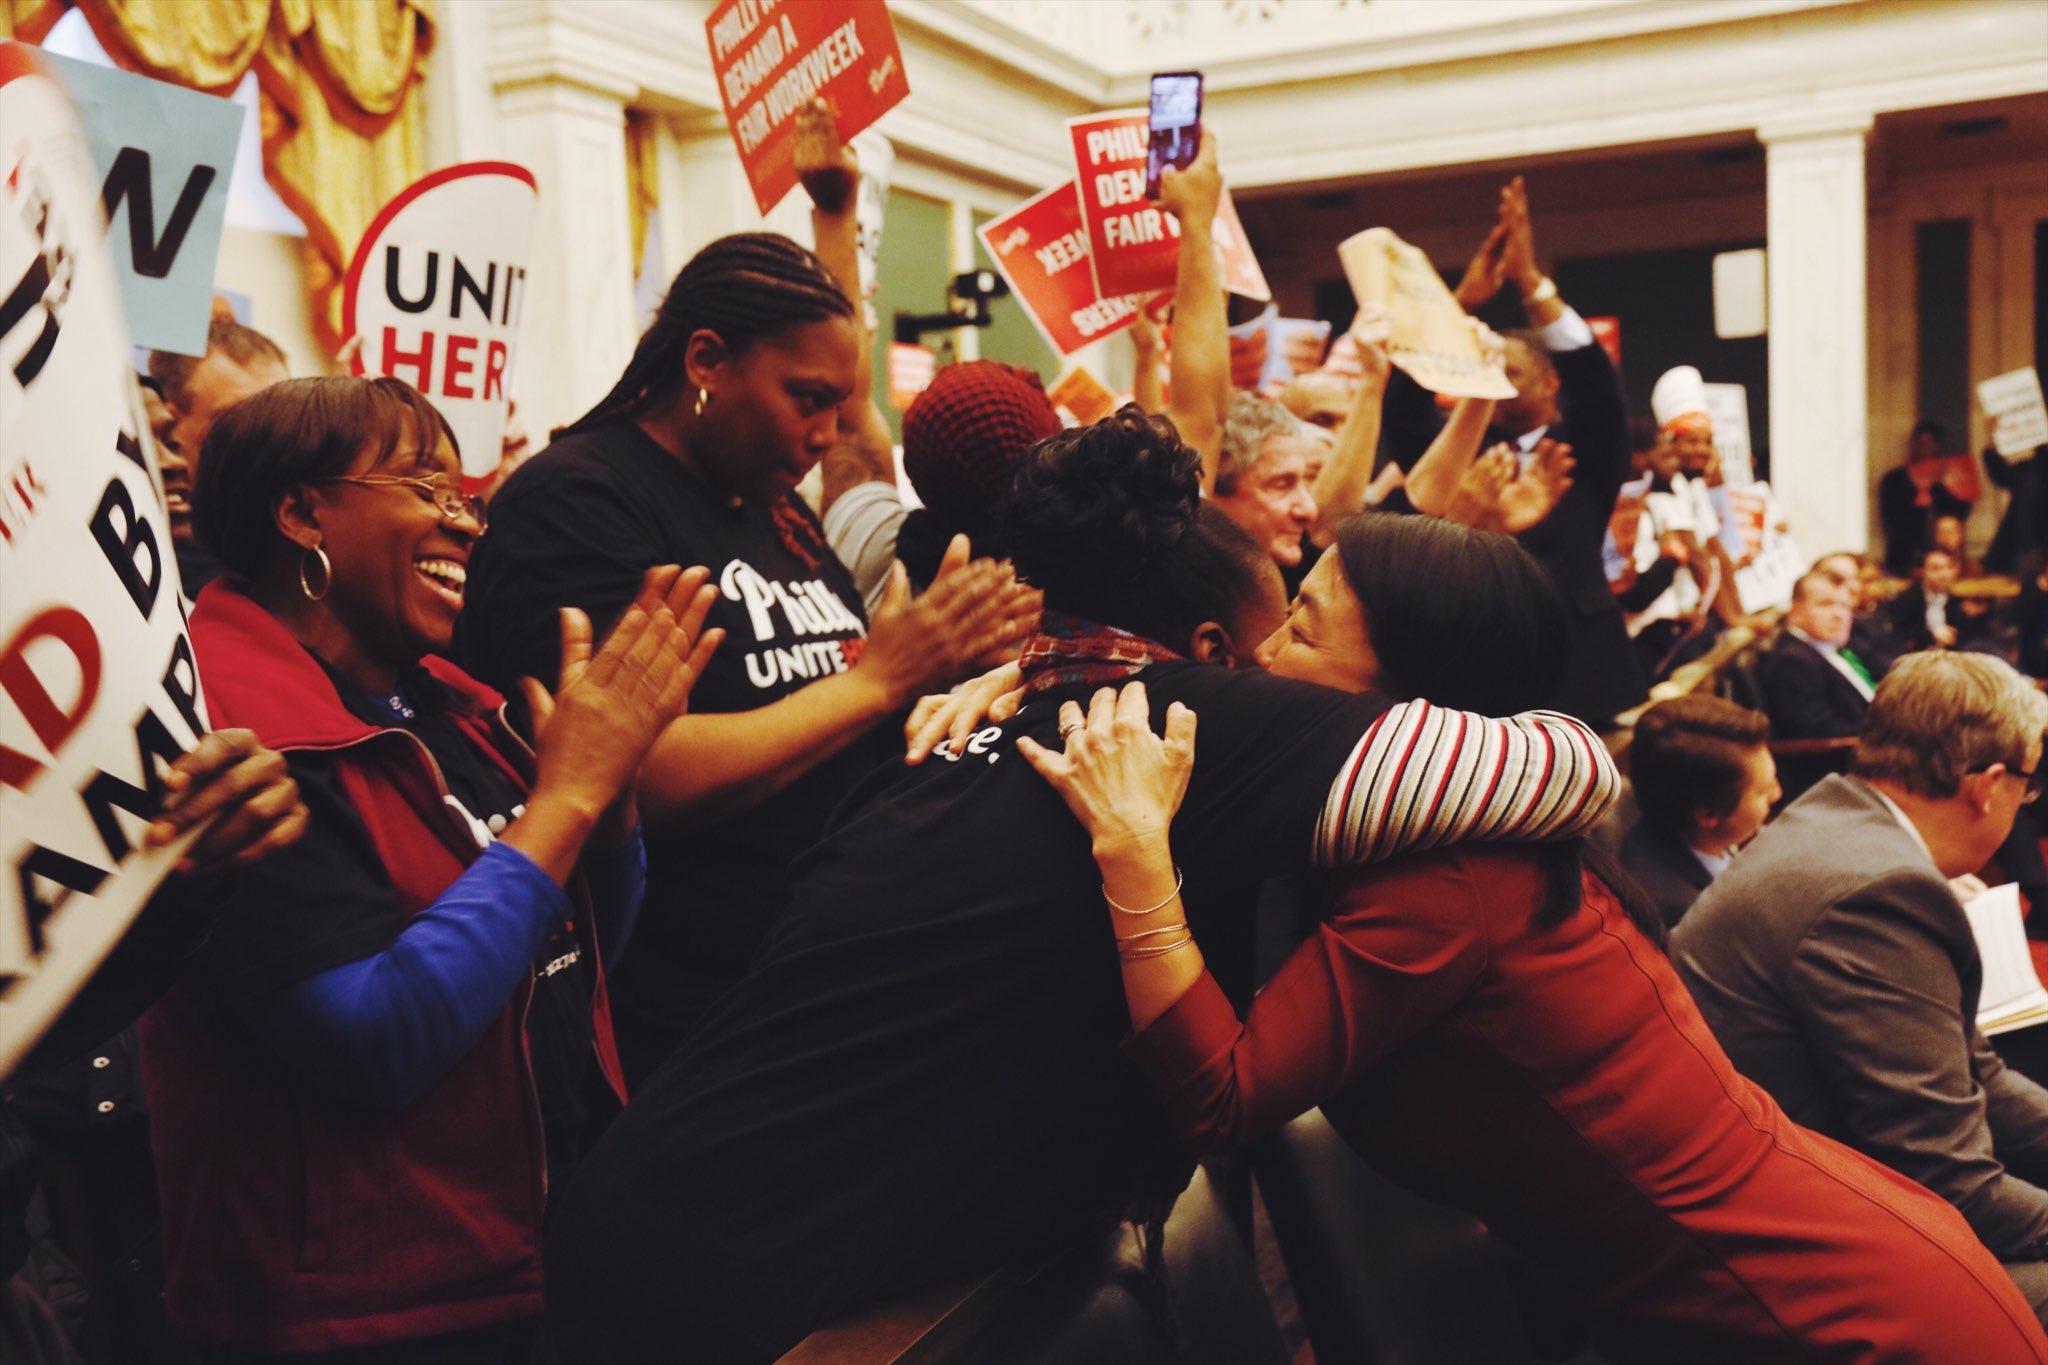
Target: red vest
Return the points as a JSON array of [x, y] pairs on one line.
[[293, 1222]]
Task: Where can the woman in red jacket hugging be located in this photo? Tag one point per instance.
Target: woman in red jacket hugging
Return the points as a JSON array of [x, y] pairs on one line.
[[1493, 1027], [359, 1093]]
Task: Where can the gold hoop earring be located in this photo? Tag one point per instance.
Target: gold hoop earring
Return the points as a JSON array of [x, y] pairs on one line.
[[703, 398], [315, 554]]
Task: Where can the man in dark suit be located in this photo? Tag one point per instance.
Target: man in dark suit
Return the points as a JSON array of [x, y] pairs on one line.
[[1701, 783], [1566, 391], [1836, 966], [1926, 616], [1813, 686]]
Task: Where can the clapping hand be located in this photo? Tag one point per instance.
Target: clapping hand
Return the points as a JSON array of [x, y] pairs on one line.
[[1531, 496], [917, 644], [1486, 271], [592, 734]]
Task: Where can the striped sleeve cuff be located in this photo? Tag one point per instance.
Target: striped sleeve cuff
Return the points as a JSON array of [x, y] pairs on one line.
[[1424, 776]]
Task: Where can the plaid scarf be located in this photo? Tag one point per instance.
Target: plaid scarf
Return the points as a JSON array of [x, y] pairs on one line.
[[1071, 649]]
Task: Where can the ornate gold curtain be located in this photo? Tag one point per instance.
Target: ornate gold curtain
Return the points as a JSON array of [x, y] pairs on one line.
[[342, 123], [643, 181]]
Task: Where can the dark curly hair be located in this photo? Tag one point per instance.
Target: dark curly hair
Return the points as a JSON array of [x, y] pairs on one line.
[[1107, 521]]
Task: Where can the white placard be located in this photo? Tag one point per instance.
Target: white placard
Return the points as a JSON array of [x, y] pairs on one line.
[[97, 683], [1728, 409], [435, 291], [1766, 581], [1741, 303], [2011, 996], [2015, 400]]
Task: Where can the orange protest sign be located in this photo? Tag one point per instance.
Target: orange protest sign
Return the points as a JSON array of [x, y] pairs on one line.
[[771, 57], [1082, 396], [1042, 250], [1241, 273], [911, 369]]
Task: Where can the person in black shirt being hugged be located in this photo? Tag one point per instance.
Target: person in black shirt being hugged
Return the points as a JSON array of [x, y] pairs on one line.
[[693, 458]]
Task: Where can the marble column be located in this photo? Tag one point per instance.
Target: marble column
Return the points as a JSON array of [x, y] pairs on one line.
[[1819, 362], [578, 327]]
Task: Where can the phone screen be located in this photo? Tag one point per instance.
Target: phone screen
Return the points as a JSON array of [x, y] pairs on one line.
[[1176, 125]]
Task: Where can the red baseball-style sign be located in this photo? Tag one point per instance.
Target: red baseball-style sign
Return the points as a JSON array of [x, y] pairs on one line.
[[1042, 250], [771, 57]]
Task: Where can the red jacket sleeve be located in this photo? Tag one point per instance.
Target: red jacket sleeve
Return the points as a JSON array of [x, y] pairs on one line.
[[1403, 947]]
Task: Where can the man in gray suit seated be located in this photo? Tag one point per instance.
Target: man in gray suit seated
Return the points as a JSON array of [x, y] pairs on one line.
[[1836, 966]]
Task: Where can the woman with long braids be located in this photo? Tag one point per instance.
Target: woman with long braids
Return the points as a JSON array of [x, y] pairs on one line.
[[693, 458]]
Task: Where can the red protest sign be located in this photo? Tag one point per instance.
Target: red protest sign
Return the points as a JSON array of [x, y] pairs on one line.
[[772, 57], [1042, 250], [1132, 241]]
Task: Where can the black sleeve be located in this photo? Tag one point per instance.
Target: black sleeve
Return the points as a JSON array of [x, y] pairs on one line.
[[1272, 749], [1998, 468], [147, 961], [1649, 585], [317, 904], [1598, 416], [1409, 421], [569, 541]]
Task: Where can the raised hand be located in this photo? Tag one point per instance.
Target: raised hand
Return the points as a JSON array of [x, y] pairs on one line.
[[592, 734], [1486, 271], [1370, 330], [1518, 253], [827, 168], [920, 644], [244, 788], [1191, 193], [1122, 782]]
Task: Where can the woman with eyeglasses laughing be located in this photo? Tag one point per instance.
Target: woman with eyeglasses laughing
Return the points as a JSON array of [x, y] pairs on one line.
[[361, 1091]]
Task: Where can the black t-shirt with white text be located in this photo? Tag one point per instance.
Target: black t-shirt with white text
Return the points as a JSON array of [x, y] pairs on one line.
[[921, 1076], [578, 526]]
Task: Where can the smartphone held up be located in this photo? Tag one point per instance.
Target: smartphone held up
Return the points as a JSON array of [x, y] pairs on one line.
[[1176, 127]]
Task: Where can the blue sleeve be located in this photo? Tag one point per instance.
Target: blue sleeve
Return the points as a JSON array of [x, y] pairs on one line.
[[386, 1027], [617, 878]]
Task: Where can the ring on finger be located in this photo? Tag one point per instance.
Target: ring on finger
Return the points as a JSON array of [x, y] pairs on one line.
[[1072, 726]]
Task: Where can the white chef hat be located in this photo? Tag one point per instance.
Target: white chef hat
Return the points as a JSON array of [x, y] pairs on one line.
[[1680, 398]]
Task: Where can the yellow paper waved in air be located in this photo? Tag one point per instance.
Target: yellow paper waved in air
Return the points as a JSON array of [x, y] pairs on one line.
[[1428, 334]]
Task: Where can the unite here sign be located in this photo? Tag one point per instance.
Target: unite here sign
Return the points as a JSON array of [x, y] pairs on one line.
[[772, 57], [98, 689], [435, 291]]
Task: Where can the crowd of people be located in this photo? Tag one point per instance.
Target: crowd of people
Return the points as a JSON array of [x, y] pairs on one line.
[[652, 910]]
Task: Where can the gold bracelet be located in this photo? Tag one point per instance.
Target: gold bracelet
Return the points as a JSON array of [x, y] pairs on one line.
[[1160, 950], [1178, 878], [1180, 928]]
